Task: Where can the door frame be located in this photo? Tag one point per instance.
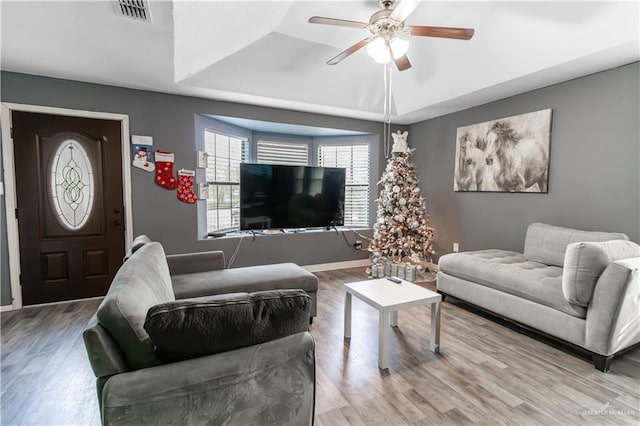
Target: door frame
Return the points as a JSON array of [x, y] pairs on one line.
[[10, 199]]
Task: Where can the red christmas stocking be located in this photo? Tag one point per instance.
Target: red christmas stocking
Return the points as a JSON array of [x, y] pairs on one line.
[[185, 186], [164, 170]]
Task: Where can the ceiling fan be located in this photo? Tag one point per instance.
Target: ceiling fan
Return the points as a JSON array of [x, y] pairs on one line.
[[387, 28]]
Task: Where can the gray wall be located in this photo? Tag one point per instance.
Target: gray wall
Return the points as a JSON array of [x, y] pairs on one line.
[[170, 120], [594, 162]]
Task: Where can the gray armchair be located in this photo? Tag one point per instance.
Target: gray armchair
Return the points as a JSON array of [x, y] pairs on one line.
[[271, 381]]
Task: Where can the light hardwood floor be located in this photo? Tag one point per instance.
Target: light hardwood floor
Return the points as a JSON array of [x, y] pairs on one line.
[[486, 373]]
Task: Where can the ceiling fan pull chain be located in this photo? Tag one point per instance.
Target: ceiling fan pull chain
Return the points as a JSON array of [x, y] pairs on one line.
[[387, 110]]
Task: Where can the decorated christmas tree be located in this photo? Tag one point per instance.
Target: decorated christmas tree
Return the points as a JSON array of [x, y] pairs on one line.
[[401, 231]]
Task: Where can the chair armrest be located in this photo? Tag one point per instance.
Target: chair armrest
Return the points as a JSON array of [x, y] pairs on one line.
[[105, 356], [190, 263], [269, 383], [613, 316]]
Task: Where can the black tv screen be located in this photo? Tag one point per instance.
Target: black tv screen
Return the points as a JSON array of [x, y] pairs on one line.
[[276, 196]]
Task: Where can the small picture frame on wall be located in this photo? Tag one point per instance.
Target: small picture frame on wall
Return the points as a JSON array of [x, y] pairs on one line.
[[509, 154]]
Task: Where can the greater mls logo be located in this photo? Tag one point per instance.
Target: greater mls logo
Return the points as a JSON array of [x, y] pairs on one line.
[[609, 410]]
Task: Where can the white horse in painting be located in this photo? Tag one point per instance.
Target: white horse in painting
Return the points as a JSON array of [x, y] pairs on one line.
[[519, 164], [471, 164]]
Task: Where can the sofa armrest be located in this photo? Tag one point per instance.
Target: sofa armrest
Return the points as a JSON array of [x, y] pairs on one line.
[[269, 383], [613, 316], [190, 263], [584, 262], [105, 356]]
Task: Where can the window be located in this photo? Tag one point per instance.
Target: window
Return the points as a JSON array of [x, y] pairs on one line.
[[355, 158], [289, 153], [71, 185], [224, 155], [228, 145]]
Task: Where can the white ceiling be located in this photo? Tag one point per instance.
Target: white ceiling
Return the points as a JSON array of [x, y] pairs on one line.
[[265, 52]]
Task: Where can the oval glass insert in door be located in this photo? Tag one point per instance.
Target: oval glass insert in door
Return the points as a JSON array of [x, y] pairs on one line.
[[71, 185]]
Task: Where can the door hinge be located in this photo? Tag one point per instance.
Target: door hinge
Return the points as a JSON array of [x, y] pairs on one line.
[[16, 213], [11, 132]]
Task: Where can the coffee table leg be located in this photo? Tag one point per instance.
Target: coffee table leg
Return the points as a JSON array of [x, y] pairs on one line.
[[347, 315], [394, 318], [435, 327], [383, 340]]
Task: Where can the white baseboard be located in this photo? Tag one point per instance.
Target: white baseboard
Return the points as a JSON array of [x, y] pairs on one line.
[[6, 308], [337, 265]]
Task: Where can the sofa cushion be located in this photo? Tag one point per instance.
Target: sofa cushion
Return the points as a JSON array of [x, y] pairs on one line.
[[248, 279], [547, 244], [142, 281], [191, 328], [511, 273], [584, 263]]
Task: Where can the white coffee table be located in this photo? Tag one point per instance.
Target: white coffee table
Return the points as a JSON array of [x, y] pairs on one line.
[[388, 297]]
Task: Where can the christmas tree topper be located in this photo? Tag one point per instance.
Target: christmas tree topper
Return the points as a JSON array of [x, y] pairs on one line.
[[400, 141]]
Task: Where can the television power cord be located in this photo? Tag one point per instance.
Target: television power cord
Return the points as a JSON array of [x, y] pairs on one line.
[[235, 252], [357, 244]]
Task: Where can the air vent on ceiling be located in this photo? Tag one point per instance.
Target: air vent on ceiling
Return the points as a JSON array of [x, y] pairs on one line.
[[134, 9]]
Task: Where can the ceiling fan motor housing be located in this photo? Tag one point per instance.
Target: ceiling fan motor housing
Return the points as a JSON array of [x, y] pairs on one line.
[[380, 24]]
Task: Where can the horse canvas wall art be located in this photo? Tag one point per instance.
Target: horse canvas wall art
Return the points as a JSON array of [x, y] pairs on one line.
[[506, 155]]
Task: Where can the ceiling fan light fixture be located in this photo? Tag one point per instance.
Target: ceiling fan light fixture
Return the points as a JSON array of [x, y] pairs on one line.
[[378, 49], [399, 47]]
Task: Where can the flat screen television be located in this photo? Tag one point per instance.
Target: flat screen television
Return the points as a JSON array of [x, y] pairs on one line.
[[277, 196]]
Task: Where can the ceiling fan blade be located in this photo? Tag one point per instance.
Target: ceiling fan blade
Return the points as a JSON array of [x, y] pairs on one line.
[[403, 63], [350, 51], [337, 22], [444, 32], [404, 9]]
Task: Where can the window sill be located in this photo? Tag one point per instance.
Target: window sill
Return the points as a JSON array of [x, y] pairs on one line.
[[270, 232]]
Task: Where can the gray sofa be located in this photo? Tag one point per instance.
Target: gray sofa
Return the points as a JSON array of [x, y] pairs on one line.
[[159, 369], [205, 274], [580, 287]]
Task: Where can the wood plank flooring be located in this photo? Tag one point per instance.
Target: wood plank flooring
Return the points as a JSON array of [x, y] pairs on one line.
[[486, 373]]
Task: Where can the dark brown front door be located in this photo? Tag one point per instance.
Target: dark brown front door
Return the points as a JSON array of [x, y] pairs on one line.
[[70, 205]]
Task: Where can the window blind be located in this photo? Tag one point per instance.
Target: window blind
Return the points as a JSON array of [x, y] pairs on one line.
[[224, 155], [288, 153], [355, 159]]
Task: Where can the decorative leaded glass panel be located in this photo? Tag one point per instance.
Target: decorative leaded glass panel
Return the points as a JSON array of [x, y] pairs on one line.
[[71, 185]]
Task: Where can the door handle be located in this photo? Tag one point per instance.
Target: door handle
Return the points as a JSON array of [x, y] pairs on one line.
[[117, 222]]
